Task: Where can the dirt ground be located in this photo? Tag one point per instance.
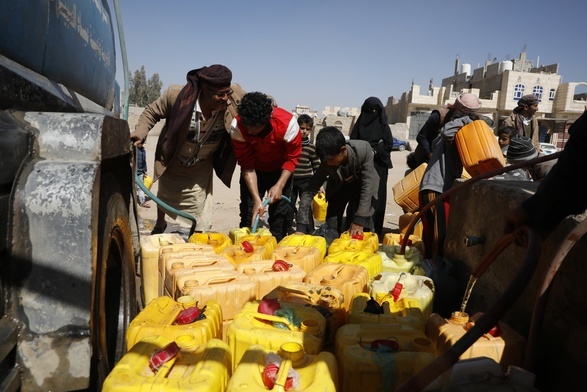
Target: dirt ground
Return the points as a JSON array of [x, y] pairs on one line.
[[226, 200]]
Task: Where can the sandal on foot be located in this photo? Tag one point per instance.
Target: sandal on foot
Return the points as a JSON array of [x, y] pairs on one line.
[[158, 230]]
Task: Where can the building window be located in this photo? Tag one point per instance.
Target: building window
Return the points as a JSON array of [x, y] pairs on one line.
[[518, 91], [551, 95], [538, 90]]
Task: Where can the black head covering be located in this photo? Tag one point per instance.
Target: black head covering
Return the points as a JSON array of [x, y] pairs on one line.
[[372, 127]]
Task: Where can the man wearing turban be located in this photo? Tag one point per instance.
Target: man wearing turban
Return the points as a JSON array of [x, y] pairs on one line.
[[198, 116], [523, 119]]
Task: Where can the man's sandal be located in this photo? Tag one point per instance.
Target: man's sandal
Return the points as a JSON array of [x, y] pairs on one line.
[[158, 230]]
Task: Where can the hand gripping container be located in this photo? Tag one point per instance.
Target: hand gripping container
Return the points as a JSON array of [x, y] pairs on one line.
[[230, 289], [396, 239], [369, 243], [176, 250], [420, 288], [150, 245], [405, 192], [306, 257], [315, 241], [399, 353], [250, 327], [392, 261], [160, 315], [507, 347], [316, 372], [349, 279], [219, 241], [371, 261], [404, 221], [177, 268], [404, 311], [478, 148], [197, 367], [268, 274], [329, 299], [237, 254], [235, 234], [267, 241]]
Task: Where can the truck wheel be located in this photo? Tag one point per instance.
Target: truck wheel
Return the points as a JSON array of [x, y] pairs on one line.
[[114, 298], [402, 147]]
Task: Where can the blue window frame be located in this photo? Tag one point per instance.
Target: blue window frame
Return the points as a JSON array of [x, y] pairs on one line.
[[538, 90], [518, 91]]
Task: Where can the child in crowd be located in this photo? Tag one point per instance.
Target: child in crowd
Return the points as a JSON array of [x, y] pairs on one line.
[[504, 136], [352, 183], [308, 163]]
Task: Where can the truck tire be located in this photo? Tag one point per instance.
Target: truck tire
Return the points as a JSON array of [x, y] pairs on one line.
[[114, 291]]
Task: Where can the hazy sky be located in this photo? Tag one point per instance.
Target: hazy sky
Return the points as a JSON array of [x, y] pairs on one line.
[[321, 53]]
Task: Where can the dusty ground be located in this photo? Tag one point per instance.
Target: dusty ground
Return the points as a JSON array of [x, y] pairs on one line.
[[226, 200]]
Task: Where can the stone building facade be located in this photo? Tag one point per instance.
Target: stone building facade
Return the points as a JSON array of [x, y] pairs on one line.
[[499, 85]]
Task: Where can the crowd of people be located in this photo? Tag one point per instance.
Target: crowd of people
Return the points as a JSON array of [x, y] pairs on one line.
[[212, 124]]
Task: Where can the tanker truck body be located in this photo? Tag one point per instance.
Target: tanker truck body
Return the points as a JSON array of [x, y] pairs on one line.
[[67, 232]]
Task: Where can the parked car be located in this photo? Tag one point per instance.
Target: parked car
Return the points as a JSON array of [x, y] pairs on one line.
[[401, 145], [548, 148]]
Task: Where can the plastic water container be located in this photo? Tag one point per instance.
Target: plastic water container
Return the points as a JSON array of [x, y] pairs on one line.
[[401, 352], [420, 288], [314, 241], [404, 221], [178, 268], [349, 279], [230, 289], [197, 367], [396, 239], [483, 374], [219, 241], [316, 372], [370, 242], [237, 254], [478, 148], [249, 327], [405, 192], [267, 241], [393, 261], [405, 311], [328, 298], [235, 234], [150, 245], [371, 261], [267, 275], [319, 207], [306, 257], [507, 347], [176, 250], [160, 315]]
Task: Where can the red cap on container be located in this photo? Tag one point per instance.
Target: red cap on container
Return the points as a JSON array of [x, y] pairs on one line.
[[159, 358], [270, 375], [188, 316], [281, 265], [247, 246], [268, 306]]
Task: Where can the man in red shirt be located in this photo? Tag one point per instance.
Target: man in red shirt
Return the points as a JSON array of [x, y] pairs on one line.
[[267, 144]]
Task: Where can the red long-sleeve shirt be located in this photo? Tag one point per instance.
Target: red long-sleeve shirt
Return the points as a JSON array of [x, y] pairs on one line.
[[279, 149]]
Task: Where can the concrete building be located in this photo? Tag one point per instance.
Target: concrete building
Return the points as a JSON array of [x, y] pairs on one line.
[[499, 85]]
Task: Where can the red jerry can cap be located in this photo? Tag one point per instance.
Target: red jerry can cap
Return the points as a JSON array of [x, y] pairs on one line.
[[159, 358], [187, 316]]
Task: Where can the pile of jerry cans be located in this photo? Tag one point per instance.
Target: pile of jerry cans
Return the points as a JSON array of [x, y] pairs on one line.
[[242, 311]]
